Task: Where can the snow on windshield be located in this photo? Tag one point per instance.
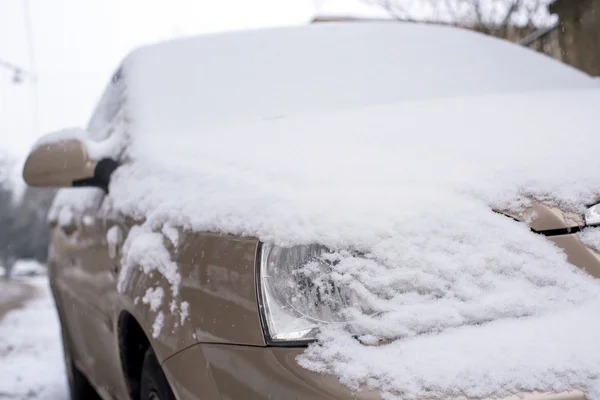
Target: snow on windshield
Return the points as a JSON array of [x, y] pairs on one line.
[[185, 86]]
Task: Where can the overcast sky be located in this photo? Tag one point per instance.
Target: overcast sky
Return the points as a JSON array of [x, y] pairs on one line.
[[78, 43]]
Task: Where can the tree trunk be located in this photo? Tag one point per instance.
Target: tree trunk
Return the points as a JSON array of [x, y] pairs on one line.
[[8, 263]]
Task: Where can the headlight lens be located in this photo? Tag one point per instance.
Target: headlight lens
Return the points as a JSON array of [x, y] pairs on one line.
[[296, 295], [592, 215]]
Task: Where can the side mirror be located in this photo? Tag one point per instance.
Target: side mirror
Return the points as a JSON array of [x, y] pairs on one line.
[[65, 163], [58, 164]]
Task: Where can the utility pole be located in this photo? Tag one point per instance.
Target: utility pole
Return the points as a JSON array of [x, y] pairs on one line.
[[32, 65]]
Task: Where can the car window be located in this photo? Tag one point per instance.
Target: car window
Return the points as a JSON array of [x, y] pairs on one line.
[[100, 126]]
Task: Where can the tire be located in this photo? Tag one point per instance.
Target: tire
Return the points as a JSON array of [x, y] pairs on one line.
[[79, 387], [154, 382]]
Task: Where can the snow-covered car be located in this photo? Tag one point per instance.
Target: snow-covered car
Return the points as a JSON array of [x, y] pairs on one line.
[[340, 211]]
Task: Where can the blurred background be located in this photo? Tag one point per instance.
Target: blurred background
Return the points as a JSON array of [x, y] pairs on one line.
[[57, 55]]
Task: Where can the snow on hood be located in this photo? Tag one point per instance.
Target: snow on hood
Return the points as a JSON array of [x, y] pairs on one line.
[[335, 174], [471, 302]]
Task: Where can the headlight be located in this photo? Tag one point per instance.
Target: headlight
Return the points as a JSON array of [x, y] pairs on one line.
[[296, 297], [592, 215]]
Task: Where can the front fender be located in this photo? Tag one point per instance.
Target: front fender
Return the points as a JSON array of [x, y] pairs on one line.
[[218, 284]]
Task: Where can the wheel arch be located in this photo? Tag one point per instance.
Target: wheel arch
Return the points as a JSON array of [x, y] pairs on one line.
[[133, 343]]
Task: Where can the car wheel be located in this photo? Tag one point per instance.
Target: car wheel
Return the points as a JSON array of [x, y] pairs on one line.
[[79, 386], [154, 382]]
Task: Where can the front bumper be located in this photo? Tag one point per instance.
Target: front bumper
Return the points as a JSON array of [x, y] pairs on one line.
[[219, 372], [215, 372]]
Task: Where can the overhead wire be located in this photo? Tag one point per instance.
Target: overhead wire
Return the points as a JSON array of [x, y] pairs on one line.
[[32, 66]]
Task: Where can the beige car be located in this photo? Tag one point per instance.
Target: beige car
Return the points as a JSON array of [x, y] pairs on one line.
[[227, 348]]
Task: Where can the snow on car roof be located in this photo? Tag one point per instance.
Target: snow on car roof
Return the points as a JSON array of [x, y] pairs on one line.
[[185, 86]]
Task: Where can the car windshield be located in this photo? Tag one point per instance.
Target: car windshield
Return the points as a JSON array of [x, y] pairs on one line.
[[187, 85]]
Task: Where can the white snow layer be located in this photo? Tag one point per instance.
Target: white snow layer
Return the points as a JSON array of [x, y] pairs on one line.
[[412, 186], [71, 204], [114, 238], [158, 324], [96, 150], [188, 86], [185, 306], [153, 297], [172, 234], [591, 238], [281, 137], [31, 357], [145, 249]]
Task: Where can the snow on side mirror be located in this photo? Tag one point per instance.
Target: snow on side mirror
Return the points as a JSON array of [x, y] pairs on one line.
[[58, 163]]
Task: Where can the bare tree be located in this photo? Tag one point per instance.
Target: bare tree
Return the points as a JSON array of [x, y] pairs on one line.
[[24, 230], [31, 230], [7, 217], [488, 16]]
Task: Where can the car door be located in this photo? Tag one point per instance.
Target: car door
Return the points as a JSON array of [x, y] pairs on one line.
[[73, 241], [100, 272], [85, 276], [88, 281]]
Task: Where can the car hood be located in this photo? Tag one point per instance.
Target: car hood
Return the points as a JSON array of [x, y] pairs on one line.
[[411, 187]]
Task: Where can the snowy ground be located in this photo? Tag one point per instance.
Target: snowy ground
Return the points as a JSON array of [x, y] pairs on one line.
[[31, 359]]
